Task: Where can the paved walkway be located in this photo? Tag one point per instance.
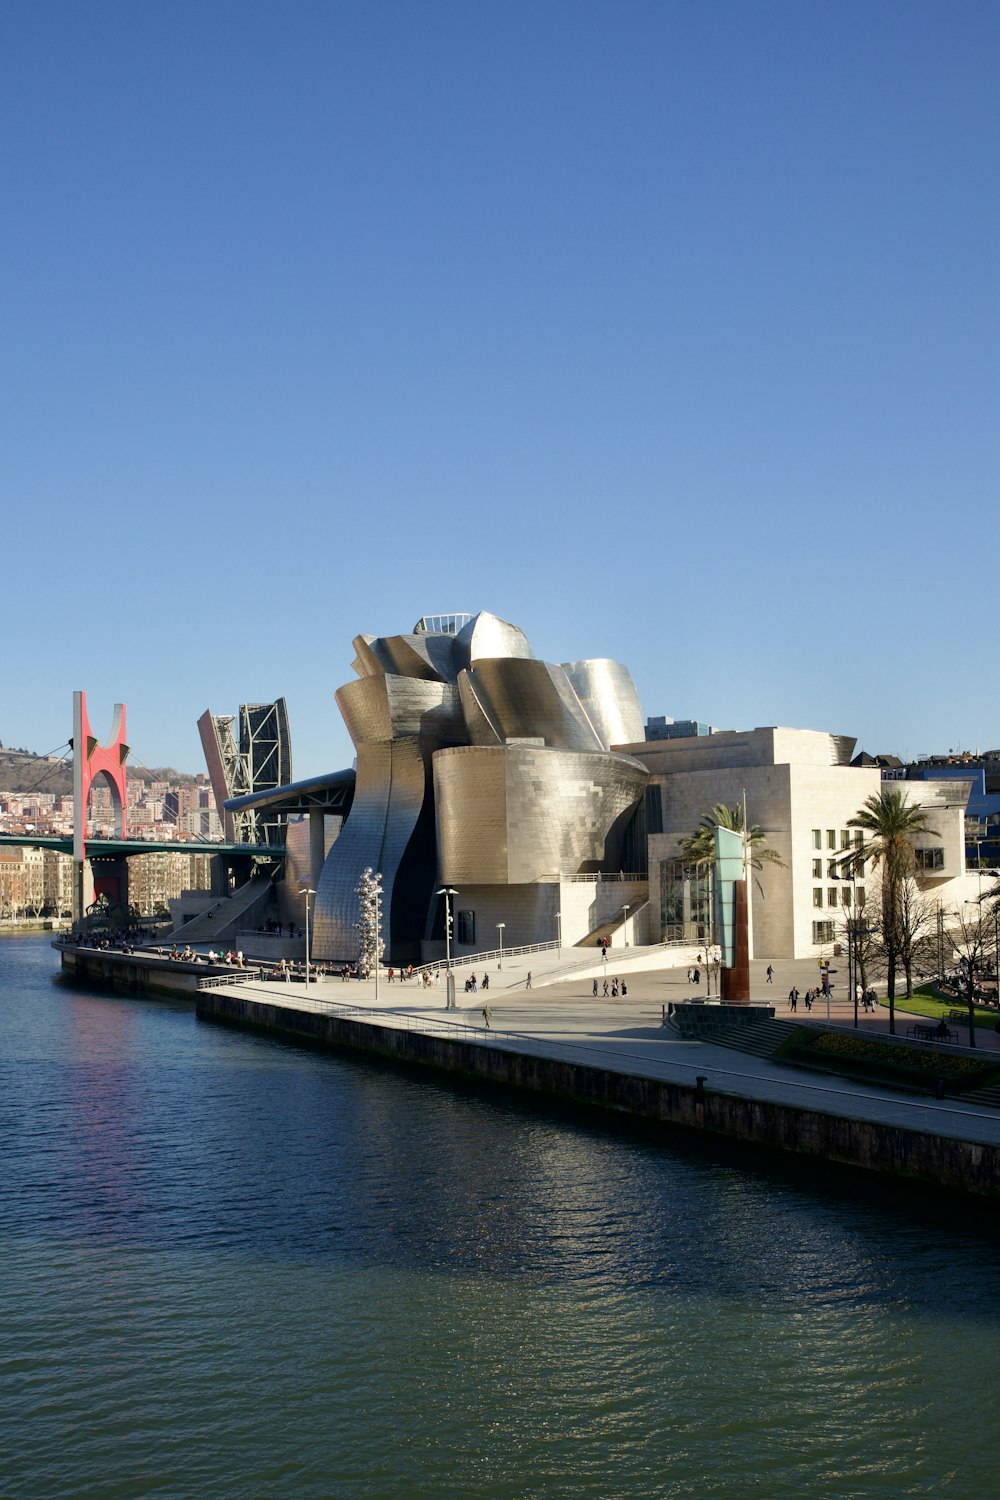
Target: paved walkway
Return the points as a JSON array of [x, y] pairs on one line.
[[626, 1035]]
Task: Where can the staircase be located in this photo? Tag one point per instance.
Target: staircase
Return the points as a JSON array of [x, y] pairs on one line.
[[227, 915], [613, 928], [758, 1038], [990, 1095]]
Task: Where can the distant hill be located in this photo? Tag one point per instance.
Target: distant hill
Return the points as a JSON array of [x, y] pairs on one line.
[[23, 771]]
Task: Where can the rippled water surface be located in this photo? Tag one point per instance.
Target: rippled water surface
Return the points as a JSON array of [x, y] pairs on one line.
[[233, 1267]]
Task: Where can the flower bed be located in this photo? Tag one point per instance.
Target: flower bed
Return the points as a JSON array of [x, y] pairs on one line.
[[892, 1062]]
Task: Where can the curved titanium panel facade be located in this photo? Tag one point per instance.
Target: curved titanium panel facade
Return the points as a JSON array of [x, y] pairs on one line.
[[477, 764], [532, 700], [380, 708], [387, 803], [487, 635], [607, 692], [520, 813], [478, 727]]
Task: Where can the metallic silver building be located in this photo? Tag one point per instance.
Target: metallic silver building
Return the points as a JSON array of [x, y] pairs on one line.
[[477, 765]]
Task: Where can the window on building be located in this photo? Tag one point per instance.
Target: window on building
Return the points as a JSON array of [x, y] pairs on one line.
[[929, 859], [861, 896], [466, 926], [654, 808], [817, 839], [686, 904], [833, 896], [817, 895], [831, 838], [845, 839], [831, 869], [822, 932], [817, 869]]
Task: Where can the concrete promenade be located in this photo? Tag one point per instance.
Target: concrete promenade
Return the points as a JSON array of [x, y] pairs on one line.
[[563, 1020]]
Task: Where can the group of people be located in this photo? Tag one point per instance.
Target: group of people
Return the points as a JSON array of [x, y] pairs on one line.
[[867, 998], [189, 955], [617, 987], [124, 939], [472, 984]]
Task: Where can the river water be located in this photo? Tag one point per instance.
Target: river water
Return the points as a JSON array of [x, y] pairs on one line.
[[233, 1267]]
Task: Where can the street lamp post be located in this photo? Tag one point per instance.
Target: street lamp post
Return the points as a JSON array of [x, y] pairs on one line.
[[625, 924], [307, 891], [448, 892], [852, 945], [500, 928]]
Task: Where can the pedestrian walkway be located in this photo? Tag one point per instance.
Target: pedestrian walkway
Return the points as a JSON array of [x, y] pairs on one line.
[[627, 1035]]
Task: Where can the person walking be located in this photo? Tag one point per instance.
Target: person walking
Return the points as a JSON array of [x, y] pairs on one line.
[[595, 988], [527, 982], [487, 1013], [793, 999], [770, 974], [624, 989]]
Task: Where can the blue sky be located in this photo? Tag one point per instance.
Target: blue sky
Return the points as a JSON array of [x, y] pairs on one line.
[[667, 331]]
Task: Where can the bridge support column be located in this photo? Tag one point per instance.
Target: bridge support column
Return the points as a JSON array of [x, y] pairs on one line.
[[218, 876], [83, 889], [109, 876]]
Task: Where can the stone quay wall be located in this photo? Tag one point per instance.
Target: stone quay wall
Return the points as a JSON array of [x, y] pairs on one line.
[[921, 1156]]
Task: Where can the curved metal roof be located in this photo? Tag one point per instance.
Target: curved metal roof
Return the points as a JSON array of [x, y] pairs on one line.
[[332, 792]]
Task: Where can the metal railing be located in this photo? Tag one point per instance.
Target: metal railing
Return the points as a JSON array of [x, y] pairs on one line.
[[238, 976], [463, 960]]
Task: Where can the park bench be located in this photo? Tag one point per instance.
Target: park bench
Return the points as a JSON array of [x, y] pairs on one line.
[[928, 1033]]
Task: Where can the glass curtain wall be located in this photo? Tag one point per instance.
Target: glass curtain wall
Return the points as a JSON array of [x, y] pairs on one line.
[[686, 902]]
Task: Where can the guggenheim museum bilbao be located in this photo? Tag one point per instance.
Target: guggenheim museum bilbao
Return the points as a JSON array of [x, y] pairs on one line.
[[529, 792]]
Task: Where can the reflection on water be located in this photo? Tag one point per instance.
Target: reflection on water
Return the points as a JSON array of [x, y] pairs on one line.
[[236, 1267]]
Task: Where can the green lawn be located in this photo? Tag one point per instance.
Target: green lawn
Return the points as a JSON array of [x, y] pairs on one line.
[[924, 1002]]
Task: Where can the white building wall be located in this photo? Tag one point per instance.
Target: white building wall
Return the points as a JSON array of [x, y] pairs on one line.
[[794, 789]]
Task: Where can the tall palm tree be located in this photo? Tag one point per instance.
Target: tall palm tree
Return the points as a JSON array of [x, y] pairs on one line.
[[889, 824], [699, 847]]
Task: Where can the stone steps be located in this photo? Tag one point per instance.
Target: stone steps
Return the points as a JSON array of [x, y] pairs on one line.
[[225, 917], [758, 1038], [989, 1095]]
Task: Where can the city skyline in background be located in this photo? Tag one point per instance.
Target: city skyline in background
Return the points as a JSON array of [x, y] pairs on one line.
[[665, 331]]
